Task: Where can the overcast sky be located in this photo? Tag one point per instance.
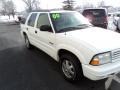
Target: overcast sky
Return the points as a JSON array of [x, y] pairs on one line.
[[57, 3]]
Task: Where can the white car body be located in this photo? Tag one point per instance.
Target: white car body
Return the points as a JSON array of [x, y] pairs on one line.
[[84, 43]]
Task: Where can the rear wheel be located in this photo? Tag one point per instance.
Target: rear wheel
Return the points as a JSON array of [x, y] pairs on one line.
[[27, 42], [70, 67], [117, 28]]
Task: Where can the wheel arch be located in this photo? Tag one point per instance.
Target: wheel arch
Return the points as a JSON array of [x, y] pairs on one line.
[[24, 33], [61, 51]]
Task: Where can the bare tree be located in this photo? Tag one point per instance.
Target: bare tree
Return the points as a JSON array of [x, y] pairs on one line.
[[88, 5], [36, 5], [4, 7], [68, 4], [101, 4], [8, 7], [31, 4]]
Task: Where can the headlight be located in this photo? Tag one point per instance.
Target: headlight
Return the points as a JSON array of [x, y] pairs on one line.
[[101, 59]]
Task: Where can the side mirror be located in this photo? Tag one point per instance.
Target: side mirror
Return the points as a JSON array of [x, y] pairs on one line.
[[46, 28]]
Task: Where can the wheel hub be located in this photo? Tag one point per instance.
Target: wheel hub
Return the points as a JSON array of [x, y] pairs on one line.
[[68, 69], [27, 42]]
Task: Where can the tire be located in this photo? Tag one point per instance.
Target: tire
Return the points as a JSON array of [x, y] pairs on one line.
[[73, 70], [27, 42], [117, 29]]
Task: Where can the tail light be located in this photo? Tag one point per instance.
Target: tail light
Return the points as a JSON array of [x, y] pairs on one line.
[[105, 20]]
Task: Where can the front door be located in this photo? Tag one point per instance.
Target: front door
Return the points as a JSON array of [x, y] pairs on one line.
[[46, 39]]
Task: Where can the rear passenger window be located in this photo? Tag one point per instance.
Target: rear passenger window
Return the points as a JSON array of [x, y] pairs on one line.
[[31, 21]]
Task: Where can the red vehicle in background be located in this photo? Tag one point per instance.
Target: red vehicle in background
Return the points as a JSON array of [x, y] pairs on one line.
[[98, 17]]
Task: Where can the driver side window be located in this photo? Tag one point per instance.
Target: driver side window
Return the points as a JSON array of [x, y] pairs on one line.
[[43, 20]]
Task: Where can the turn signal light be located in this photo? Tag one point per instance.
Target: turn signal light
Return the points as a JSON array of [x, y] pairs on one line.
[[95, 61]]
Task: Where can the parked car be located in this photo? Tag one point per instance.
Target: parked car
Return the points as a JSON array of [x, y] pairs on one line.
[[116, 15], [21, 17], [98, 17], [110, 14], [117, 24], [116, 21], [80, 48]]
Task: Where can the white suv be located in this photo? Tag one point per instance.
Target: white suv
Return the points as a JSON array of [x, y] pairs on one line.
[[71, 40]]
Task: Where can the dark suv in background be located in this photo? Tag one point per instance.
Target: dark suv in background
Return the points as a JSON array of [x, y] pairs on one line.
[[98, 17]]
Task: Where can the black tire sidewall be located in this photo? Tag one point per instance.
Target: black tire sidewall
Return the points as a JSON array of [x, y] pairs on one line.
[[76, 64], [29, 45]]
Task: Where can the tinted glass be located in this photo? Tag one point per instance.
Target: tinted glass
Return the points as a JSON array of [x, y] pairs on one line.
[[31, 21], [95, 12], [118, 15], [43, 20]]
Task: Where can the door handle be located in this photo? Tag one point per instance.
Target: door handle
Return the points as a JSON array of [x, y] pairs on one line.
[[26, 28], [51, 43], [35, 31]]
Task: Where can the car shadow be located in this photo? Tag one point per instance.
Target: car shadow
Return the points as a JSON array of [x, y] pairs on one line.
[[25, 69]]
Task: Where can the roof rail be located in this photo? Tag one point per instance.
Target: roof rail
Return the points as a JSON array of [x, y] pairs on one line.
[[40, 10], [48, 10]]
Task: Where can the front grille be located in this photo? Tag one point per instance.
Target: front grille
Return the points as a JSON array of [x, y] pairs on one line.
[[116, 55]]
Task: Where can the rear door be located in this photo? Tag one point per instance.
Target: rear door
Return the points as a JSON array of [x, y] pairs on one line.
[[30, 27]]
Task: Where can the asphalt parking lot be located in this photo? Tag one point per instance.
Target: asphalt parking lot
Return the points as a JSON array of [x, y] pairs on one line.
[[22, 69]]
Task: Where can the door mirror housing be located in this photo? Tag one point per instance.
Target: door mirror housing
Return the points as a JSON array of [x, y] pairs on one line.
[[46, 28]]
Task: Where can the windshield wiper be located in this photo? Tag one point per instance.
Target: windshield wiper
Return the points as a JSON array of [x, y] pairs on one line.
[[84, 25], [69, 29]]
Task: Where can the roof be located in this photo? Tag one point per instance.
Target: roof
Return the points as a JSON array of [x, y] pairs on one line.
[[40, 11], [94, 8], [52, 11]]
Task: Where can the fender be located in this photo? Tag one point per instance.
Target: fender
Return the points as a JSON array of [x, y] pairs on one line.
[[73, 50], [23, 30]]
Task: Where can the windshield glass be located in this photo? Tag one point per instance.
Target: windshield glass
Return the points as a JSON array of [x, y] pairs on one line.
[[68, 21]]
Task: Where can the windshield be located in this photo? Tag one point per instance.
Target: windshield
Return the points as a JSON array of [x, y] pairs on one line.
[[68, 21]]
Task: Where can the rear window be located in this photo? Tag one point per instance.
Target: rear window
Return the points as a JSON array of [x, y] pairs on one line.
[[109, 15], [95, 12], [118, 15], [31, 21]]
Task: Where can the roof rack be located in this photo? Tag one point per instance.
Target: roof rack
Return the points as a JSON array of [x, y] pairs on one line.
[[41, 11], [46, 10]]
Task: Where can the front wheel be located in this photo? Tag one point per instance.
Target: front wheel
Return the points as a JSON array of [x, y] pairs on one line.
[[70, 67]]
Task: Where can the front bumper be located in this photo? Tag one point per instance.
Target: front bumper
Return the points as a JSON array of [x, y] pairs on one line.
[[102, 71]]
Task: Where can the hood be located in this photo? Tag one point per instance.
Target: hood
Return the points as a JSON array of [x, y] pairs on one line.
[[101, 39]]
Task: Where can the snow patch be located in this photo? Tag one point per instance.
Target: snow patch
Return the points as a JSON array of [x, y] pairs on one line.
[[6, 19]]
